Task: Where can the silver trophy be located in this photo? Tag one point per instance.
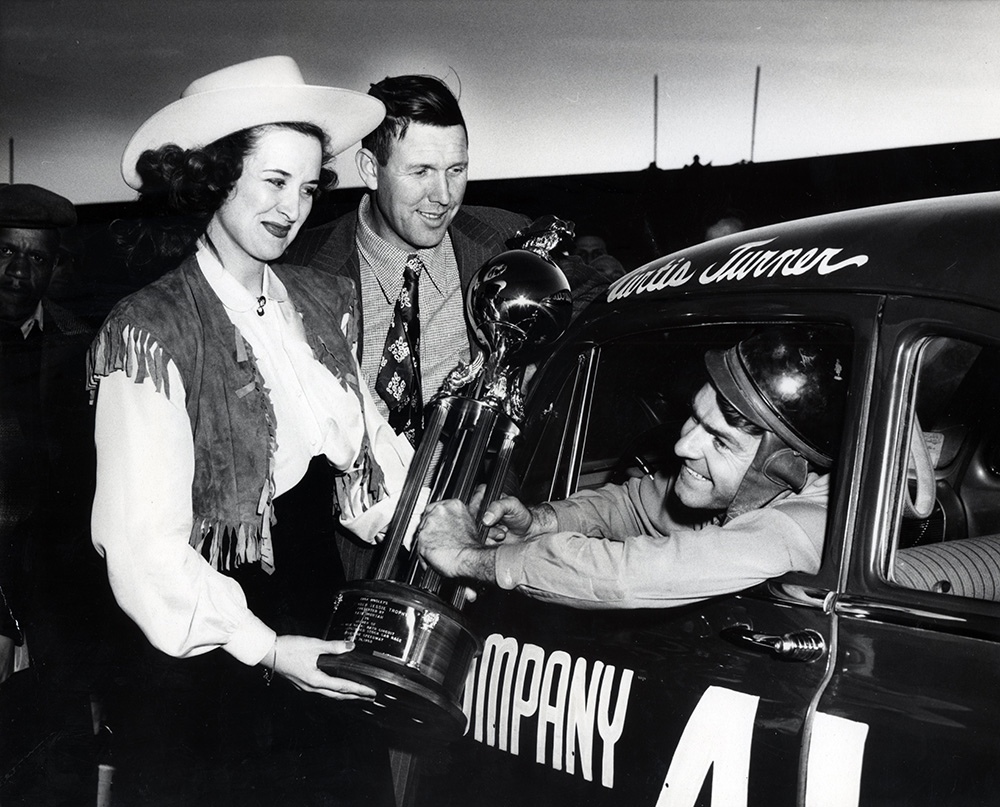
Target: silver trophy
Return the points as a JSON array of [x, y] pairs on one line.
[[413, 645]]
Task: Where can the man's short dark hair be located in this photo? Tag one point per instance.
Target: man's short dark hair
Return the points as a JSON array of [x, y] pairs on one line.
[[409, 99], [735, 418]]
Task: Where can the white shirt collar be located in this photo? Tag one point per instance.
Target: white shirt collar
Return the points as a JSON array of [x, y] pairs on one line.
[[387, 260], [230, 291], [36, 319]]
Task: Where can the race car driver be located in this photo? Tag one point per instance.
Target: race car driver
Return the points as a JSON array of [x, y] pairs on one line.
[[749, 502]]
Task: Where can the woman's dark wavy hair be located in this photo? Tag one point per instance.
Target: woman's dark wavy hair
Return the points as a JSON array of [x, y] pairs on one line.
[[183, 188]]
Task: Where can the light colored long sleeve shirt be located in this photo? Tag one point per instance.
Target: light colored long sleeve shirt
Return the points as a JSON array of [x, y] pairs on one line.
[[142, 516], [618, 547]]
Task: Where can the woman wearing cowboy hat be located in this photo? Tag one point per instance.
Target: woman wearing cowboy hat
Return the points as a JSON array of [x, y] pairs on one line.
[[231, 423]]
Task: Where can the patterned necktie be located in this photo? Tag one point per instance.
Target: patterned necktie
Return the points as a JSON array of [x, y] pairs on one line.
[[398, 381]]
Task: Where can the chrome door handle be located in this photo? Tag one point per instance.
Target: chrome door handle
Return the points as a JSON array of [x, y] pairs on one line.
[[799, 645]]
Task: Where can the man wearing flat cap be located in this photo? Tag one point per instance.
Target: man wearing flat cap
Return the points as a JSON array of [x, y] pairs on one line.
[[46, 482], [30, 218]]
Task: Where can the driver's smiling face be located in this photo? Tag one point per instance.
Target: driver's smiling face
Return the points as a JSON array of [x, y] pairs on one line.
[[715, 455]]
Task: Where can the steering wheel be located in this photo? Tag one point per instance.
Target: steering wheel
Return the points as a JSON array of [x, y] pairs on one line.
[[646, 453], [920, 466]]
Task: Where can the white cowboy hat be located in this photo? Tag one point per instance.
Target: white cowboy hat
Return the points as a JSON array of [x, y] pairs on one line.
[[267, 90]]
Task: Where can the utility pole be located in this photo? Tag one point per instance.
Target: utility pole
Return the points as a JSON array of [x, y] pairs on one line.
[[11, 166], [753, 126], [656, 115]]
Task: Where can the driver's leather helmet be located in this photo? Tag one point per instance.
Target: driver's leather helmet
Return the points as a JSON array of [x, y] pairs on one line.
[[791, 381]]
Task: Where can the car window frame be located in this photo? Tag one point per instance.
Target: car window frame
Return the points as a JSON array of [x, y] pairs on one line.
[[906, 323], [859, 311]]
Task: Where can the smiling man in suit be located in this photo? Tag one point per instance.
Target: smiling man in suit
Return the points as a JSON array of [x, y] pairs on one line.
[[415, 166]]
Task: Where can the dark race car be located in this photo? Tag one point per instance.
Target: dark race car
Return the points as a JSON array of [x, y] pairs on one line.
[[875, 680]]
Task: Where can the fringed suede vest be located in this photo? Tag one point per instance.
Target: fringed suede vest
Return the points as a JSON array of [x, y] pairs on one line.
[[179, 319]]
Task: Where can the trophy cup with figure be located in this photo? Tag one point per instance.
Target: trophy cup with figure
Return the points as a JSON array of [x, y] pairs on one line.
[[413, 645]]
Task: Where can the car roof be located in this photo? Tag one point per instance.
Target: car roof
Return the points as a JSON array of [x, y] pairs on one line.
[[947, 248]]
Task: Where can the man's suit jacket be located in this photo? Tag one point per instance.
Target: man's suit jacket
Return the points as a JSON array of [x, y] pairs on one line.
[[477, 234]]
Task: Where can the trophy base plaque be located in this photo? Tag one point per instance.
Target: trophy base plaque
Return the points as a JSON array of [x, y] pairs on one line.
[[411, 647]]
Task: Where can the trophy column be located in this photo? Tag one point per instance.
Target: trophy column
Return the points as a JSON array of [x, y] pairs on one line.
[[413, 645]]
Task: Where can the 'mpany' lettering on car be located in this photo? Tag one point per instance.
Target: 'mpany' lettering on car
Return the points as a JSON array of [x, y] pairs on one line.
[[577, 708]]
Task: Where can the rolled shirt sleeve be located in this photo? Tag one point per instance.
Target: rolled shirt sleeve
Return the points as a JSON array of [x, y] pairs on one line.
[[619, 547]]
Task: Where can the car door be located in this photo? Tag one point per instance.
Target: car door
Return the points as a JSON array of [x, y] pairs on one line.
[[704, 704], [917, 668]]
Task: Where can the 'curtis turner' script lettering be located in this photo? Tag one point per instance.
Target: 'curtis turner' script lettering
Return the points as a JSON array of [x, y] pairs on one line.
[[745, 261]]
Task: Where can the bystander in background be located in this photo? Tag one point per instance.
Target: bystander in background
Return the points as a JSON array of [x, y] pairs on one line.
[[52, 583]]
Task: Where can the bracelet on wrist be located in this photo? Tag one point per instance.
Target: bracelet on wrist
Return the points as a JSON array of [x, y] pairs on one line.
[[269, 671]]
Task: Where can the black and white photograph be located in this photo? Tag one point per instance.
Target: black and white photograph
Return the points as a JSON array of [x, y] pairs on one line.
[[450, 403]]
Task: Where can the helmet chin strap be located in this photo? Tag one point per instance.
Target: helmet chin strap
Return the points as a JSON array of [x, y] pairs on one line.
[[775, 469]]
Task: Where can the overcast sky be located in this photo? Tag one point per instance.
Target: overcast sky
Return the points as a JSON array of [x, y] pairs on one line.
[[547, 86]]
